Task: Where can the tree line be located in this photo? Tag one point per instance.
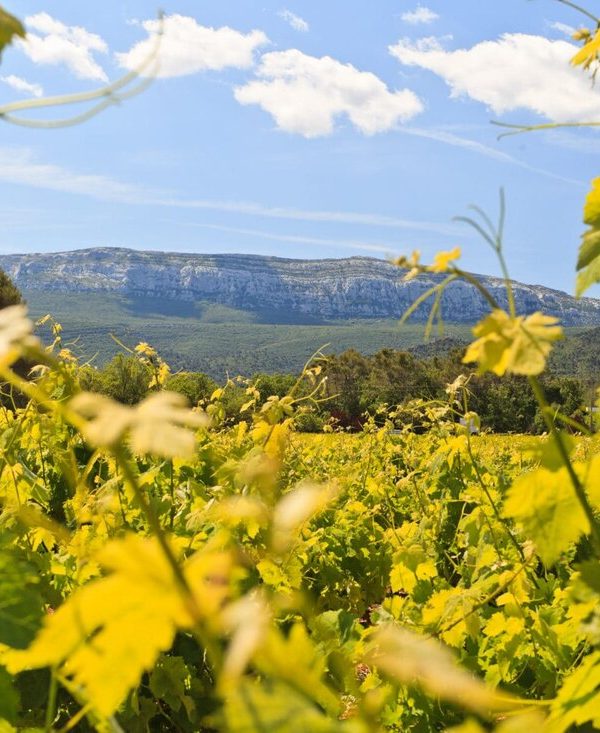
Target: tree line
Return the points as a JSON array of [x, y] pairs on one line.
[[357, 386]]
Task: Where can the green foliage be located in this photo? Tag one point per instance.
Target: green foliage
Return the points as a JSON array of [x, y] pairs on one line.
[[244, 577], [197, 388], [588, 262], [9, 293], [309, 422], [125, 379], [231, 347], [272, 384]]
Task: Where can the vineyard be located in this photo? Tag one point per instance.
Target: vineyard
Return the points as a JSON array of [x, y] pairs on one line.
[[163, 571], [164, 568]]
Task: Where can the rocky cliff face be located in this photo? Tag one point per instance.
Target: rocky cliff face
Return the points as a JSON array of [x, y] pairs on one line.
[[358, 287]]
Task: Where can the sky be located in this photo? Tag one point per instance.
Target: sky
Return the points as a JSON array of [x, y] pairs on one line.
[[303, 129]]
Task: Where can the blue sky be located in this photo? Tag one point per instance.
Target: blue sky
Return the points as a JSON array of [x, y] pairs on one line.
[[303, 129]]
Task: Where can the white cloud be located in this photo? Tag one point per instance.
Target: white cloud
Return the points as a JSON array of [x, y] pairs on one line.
[[566, 30], [22, 85], [448, 138], [56, 43], [297, 23], [188, 47], [290, 214], [300, 239], [419, 15], [20, 166], [518, 71], [305, 95]]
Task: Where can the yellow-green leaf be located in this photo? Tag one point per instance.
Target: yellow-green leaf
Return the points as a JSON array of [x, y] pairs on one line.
[[417, 660], [275, 707], [578, 701], [544, 503], [111, 631], [588, 263], [516, 345], [589, 53], [9, 28]]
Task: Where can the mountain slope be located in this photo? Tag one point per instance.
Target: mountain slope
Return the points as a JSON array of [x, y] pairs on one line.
[[273, 290]]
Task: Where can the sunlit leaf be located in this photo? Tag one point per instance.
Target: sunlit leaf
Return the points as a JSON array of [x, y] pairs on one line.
[[295, 509], [589, 53], [588, 262], [111, 631], [578, 700], [10, 27], [515, 345], [275, 707], [161, 424], [544, 503], [443, 260], [416, 660]]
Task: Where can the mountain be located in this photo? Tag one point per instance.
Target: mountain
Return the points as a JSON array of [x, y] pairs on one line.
[[237, 314], [271, 289]]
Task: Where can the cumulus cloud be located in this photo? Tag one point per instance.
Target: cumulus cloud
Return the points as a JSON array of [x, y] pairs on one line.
[[56, 44], [420, 15], [188, 47], [306, 95], [297, 23], [22, 85], [518, 71]]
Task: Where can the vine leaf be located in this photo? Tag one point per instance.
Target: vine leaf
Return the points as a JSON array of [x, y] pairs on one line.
[[516, 345], [578, 700], [414, 660], [588, 263], [590, 51], [110, 631], [544, 504], [9, 28]]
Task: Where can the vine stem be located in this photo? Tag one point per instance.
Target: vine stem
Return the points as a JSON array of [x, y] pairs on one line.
[[564, 454], [521, 129], [579, 9], [475, 282], [51, 708], [156, 527], [490, 498], [130, 477], [484, 602], [109, 94]]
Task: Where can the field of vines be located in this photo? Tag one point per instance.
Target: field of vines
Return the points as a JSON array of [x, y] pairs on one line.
[[162, 570], [165, 571]]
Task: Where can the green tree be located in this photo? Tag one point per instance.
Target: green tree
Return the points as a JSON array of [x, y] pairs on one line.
[[9, 293], [345, 376], [124, 378], [194, 385], [273, 384], [395, 377]]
